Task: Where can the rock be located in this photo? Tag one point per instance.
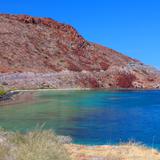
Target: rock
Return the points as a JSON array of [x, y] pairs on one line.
[[64, 139], [2, 139], [8, 95], [41, 52], [4, 83]]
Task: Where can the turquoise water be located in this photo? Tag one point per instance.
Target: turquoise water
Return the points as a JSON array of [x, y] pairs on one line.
[[91, 117]]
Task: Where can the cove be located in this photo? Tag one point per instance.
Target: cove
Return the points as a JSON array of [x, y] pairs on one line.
[[95, 117]]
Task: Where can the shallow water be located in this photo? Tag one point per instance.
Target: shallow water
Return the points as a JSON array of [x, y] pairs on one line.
[[91, 117]]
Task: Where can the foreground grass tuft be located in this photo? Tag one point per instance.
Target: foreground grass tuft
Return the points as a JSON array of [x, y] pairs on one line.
[[36, 145]]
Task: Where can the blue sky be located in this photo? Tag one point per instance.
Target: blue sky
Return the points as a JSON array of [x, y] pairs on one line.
[[128, 26]]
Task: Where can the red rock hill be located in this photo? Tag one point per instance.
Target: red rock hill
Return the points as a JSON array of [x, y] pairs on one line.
[[42, 45]]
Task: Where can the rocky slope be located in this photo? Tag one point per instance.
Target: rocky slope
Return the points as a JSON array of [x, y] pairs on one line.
[[42, 53]]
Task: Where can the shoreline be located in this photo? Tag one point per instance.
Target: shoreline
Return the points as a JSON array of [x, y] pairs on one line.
[[53, 89], [87, 89], [129, 151], [23, 95]]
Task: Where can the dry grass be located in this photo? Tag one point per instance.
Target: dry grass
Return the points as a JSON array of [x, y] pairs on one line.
[[121, 152], [37, 145]]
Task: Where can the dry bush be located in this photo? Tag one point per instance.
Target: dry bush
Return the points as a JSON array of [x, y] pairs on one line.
[[36, 145]]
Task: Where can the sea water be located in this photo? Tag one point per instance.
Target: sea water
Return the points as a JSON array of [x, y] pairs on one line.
[[90, 117]]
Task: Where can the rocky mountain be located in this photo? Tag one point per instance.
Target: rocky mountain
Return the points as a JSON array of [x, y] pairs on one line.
[[42, 53]]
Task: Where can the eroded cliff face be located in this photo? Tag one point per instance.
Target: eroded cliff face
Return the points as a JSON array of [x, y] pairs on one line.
[[40, 52]]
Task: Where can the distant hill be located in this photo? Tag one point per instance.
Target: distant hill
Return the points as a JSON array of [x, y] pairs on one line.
[[54, 55]]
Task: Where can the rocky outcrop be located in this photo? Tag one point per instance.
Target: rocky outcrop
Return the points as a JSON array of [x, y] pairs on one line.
[[40, 52], [7, 96]]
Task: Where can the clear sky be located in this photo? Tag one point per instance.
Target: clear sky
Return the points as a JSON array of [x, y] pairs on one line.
[[128, 26]]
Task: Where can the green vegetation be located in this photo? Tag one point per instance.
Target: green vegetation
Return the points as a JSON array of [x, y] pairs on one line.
[[12, 89], [2, 92], [35, 145]]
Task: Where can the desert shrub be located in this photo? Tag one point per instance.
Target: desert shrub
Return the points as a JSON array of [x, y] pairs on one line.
[[35, 145], [2, 90]]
